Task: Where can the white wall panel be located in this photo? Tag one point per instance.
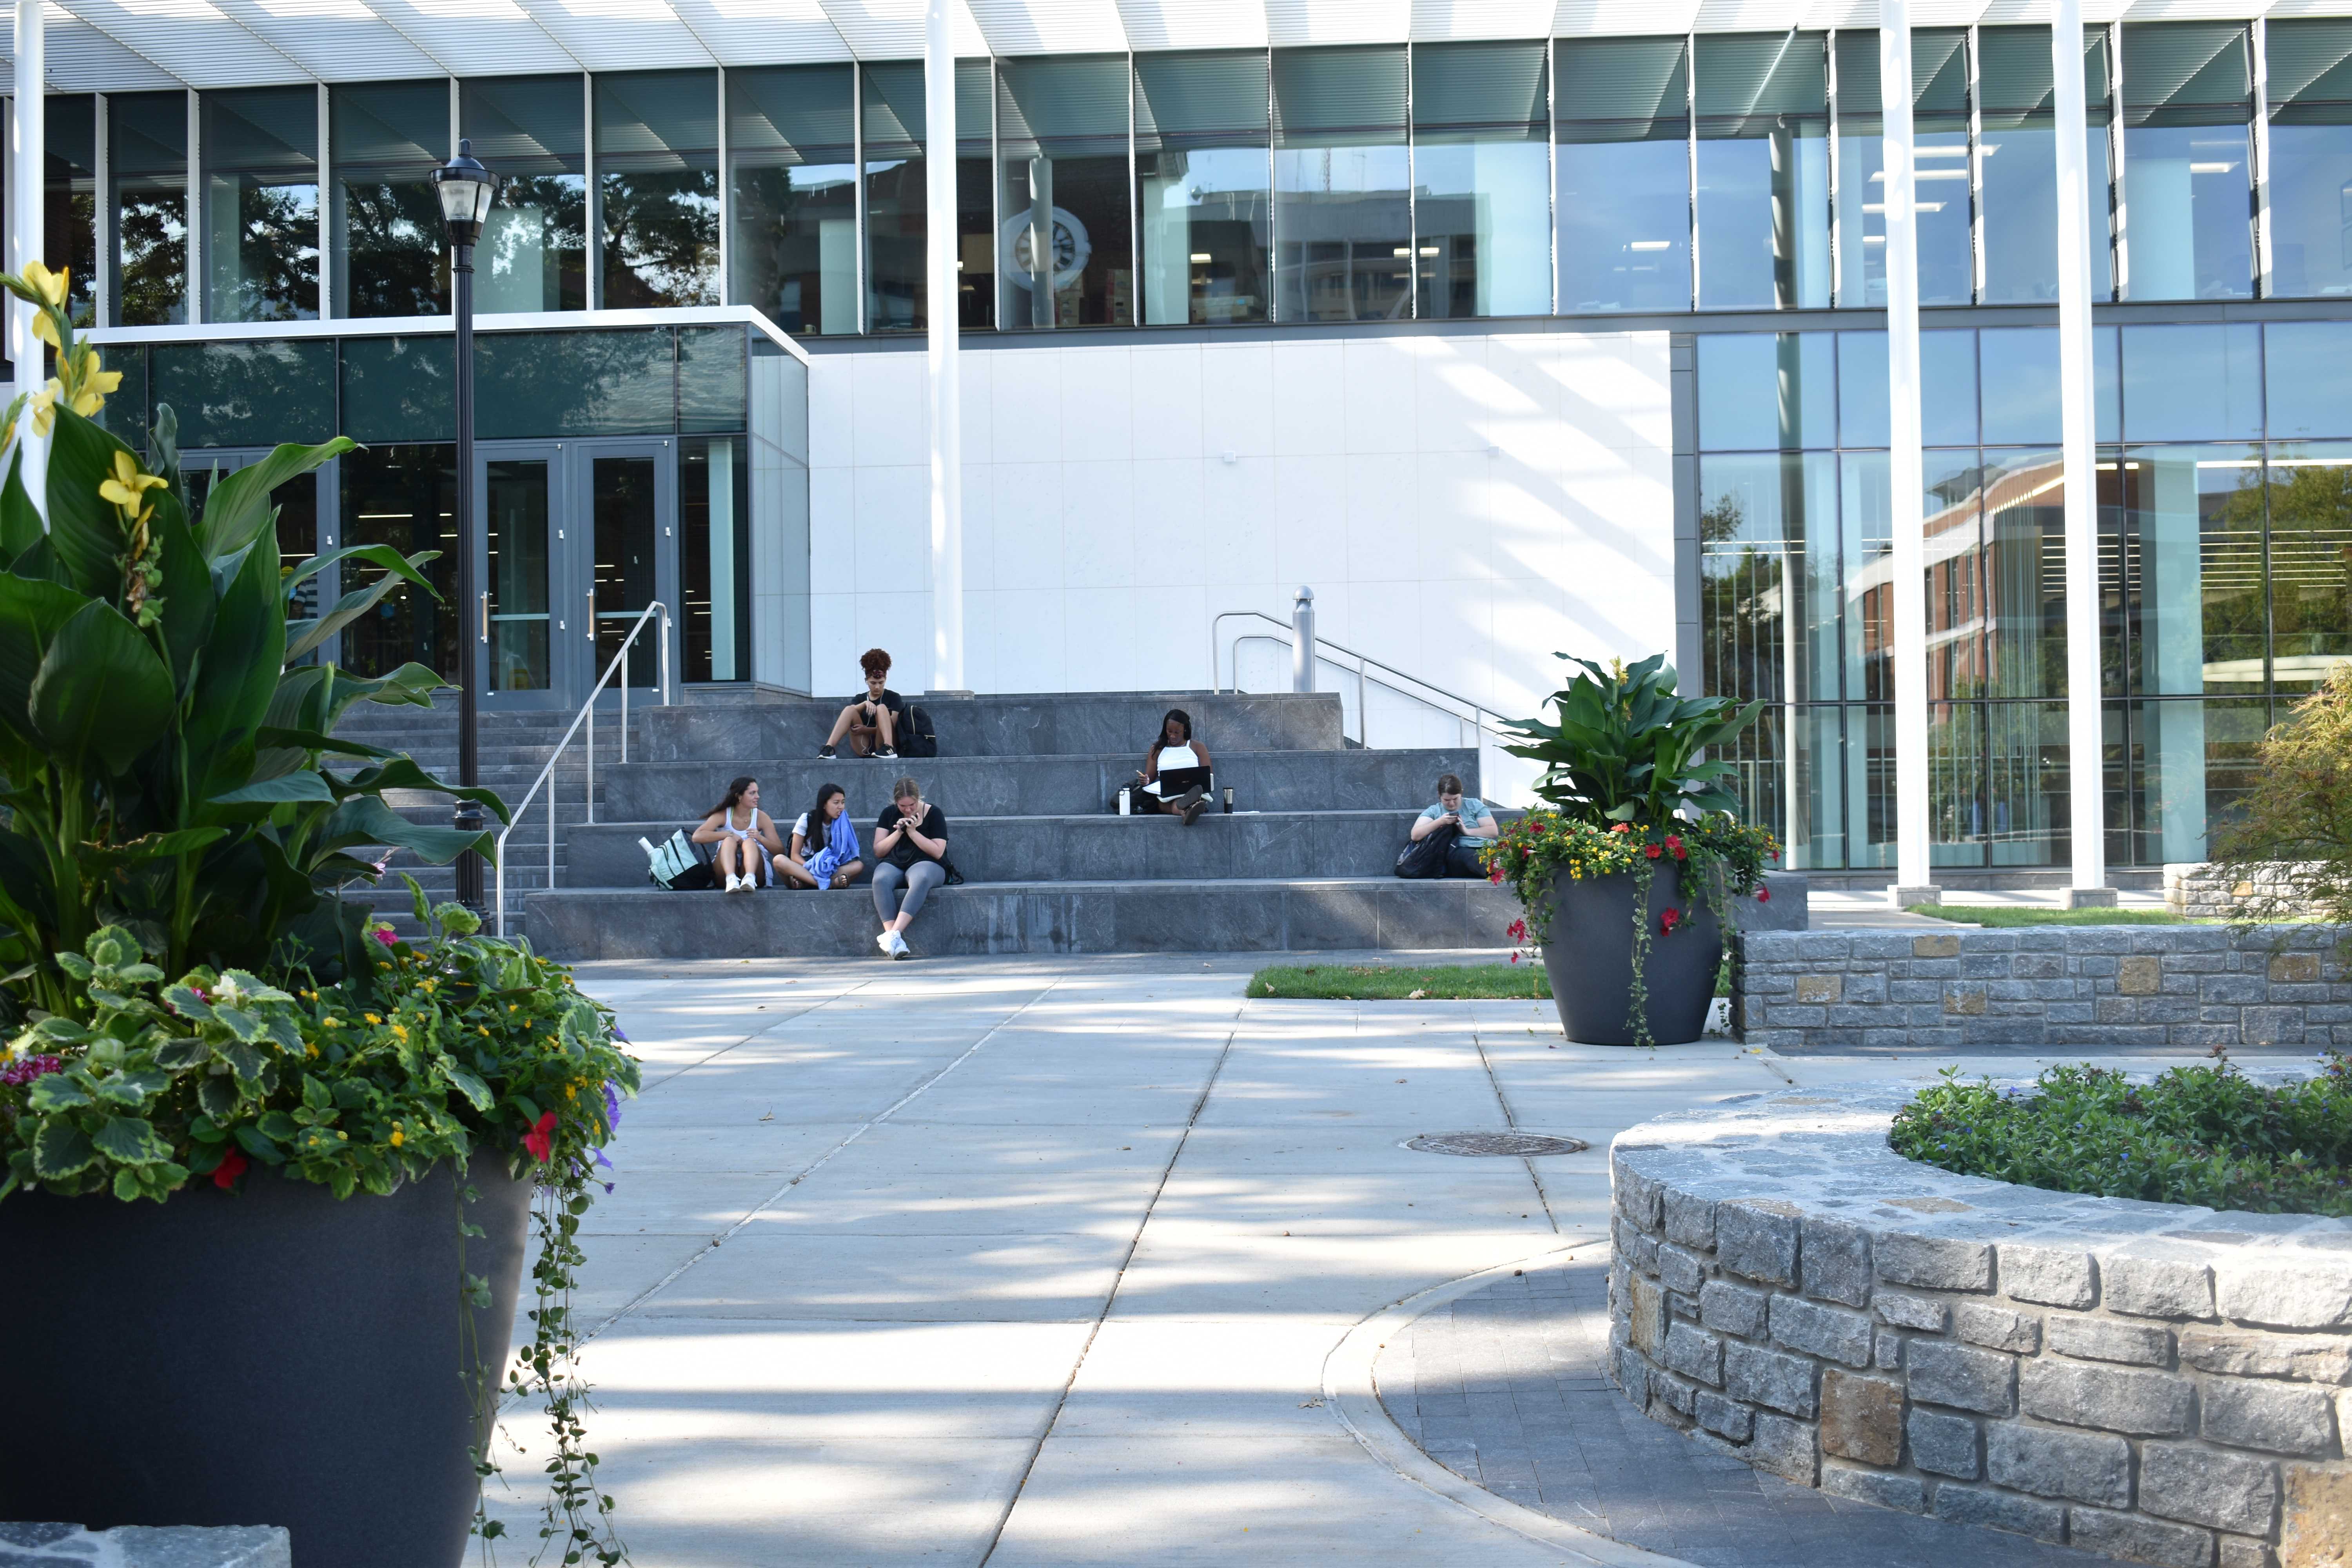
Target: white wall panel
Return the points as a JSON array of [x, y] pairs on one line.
[[1195, 24], [1435, 21], [1104, 526], [477, 38], [1050, 26], [1290, 23], [335, 41], [192, 39], [83, 59], [763, 32], [620, 35]]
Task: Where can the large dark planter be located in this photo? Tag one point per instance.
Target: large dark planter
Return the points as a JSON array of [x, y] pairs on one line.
[[274, 1357], [1589, 957]]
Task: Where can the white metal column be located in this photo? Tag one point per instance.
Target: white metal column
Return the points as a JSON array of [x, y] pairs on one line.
[[2086, 733], [1905, 467], [28, 179], [944, 319]]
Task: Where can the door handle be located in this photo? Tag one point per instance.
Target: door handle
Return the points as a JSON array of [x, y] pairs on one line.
[[592, 615], [486, 617]]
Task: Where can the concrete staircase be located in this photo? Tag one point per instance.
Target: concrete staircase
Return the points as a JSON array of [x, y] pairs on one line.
[[1028, 785]]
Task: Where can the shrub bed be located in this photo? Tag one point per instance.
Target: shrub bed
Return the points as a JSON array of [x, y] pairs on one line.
[[2200, 1134]]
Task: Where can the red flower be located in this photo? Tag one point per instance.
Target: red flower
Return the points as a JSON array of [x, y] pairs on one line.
[[540, 1138], [1652, 850], [1496, 874], [1675, 845], [1668, 920], [384, 935], [1623, 827], [1763, 895], [233, 1165], [1515, 958], [1517, 931]]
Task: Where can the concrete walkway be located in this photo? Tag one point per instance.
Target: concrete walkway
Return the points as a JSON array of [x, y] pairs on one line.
[[1040, 1261]]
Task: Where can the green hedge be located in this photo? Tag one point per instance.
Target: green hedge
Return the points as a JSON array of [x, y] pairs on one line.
[[2200, 1134]]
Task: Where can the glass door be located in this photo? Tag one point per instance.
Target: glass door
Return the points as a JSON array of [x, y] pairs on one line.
[[299, 536], [629, 557], [518, 621]]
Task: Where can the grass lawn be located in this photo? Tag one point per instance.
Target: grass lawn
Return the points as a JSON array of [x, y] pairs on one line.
[[1375, 983], [2002, 915]]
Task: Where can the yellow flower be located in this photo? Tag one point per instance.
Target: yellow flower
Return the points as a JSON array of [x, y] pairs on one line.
[[343, 1135], [485, 1028], [123, 489], [45, 408], [50, 286], [310, 1050], [371, 1017], [400, 1032], [571, 1091], [44, 327], [398, 1137], [330, 1023]]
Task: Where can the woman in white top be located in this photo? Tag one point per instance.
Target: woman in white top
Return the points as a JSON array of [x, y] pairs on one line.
[[1176, 771], [745, 835], [825, 855]]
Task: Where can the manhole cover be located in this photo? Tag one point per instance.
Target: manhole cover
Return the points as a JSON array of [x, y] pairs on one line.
[[1510, 1146]]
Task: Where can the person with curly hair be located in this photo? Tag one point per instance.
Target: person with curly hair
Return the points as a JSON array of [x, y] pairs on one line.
[[872, 723]]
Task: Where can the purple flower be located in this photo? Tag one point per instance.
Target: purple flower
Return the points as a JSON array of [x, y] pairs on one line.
[[16, 1074], [611, 1106]]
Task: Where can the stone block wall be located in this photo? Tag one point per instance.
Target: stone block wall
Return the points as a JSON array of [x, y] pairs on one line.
[[2198, 891], [2132, 986], [2150, 1382]]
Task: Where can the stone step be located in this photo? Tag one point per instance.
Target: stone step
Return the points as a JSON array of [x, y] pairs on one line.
[[1007, 726], [1232, 915], [1035, 785], [1099, 845]]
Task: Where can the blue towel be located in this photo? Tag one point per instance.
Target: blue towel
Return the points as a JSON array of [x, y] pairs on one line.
[[840, 850]]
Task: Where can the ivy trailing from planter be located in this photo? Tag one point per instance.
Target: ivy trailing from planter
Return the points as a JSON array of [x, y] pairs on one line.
[[1627, 785]]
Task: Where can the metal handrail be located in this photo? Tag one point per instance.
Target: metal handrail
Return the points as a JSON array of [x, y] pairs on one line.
[[1477, 717], [620, 661]]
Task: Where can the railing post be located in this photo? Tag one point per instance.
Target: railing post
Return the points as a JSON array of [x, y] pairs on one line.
[[1302, 640], [667, 698], [592, 775], [624, 686]]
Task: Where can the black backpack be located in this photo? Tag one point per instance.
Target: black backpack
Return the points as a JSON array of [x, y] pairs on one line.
[[1426, 858], [921, 739]]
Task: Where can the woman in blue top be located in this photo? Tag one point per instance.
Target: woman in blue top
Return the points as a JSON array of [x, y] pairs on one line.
[[1468, 813], [823, 852]]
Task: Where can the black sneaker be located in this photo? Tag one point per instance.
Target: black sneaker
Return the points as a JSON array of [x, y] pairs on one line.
[[824, 752], [1191, 803], [886, 752]]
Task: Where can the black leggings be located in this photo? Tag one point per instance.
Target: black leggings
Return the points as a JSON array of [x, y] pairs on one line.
[[1461, 858]]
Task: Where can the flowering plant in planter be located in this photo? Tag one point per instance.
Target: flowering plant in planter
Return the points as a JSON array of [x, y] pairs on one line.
[[1627, 787]]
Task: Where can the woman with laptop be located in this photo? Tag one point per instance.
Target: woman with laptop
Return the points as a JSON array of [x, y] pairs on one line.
[[1176, 771]]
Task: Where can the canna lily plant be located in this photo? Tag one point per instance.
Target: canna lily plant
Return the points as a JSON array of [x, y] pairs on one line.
[[168, 763]]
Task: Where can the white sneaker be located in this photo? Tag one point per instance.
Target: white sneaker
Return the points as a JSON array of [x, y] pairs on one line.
[[884, 941], [898, 948], [739, 884]]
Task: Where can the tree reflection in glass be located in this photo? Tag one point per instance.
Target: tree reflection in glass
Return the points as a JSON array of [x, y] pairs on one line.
[[391, 248], [532, 133], [657, 168], [147, 157], [261, 205]]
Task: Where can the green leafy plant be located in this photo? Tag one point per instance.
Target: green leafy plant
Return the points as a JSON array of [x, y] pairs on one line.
[[2198, 1134], [1629, 787], [161, 743], [2298, 815]]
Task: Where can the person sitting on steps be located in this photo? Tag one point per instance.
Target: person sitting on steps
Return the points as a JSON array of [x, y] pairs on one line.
[[911, 850], [872, 724], [1176, 772], [1467, 814], [825, 855], [745, 835]]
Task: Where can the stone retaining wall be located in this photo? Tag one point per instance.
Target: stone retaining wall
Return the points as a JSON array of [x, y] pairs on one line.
[[2198, 891], [2146, 1381], [2137, 986]]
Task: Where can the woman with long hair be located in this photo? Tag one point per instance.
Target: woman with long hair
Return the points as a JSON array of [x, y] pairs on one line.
[[745, 835], [1176, 772], [911, 853], [824, 851]]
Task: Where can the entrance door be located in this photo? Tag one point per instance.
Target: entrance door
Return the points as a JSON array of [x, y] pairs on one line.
[[627, 507], [527, 661]]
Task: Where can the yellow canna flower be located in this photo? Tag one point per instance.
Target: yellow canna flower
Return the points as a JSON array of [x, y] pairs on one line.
[[45, 408], [50, 286], [45, 328], [124, 488]]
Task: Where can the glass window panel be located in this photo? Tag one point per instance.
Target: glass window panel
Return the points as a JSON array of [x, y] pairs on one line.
[[2307, 371], [2310, 168], [1940, 136], [1482, 178], [147, 164], [1863, 391], [2028, 813], [387, 241], [626, 507], [1342, 185], [657, 184], [1763, 170], [405, 496], [897, 282], [69, 200], [261, 204], [1201, 140], [2187, 768], [2021, 384], [1065, 246], [1947, 388], [2107, 381], [1786, 772], [1622, 172], [532, 132], [1957, 818], [2025, 573], [2018, 152], [2193, 383], [515, 496], [125, 413], [2189, 526], [1866, 526], [714, 559], [254, 394], [711, 389], [2311, 563], [1757, 391], [397, 389], [2188, 99], [792, 169], [1766, 533], [608, 383], [1870, 786], [1951, 511]]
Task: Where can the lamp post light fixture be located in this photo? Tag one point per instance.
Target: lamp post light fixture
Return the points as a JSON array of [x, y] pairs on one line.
[[466, 189]]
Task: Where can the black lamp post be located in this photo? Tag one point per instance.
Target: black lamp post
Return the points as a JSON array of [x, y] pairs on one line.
[[466, 189]]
